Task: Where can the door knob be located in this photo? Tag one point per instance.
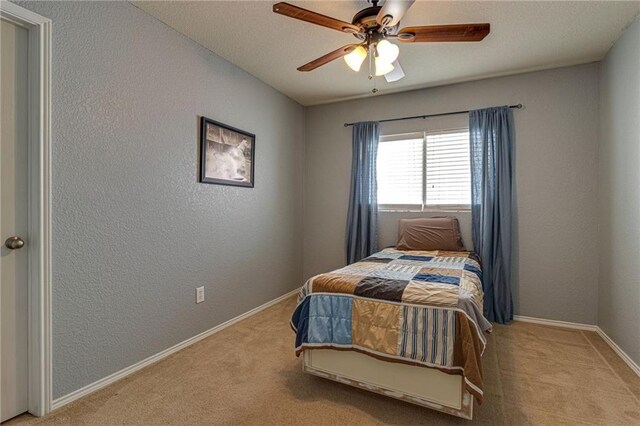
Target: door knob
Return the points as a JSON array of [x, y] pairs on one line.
[[14, 243]]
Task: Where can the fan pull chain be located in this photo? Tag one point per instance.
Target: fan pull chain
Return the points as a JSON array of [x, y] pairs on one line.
[[371, 76]]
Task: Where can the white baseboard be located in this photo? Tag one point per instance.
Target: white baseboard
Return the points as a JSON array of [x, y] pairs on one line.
[[556, 323], [587, 327], [618, 350], [99, 384]]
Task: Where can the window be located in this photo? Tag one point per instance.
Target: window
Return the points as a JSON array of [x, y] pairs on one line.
[[424, 171]]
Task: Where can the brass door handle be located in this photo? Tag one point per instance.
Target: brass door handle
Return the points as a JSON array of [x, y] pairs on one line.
[[14, 243]]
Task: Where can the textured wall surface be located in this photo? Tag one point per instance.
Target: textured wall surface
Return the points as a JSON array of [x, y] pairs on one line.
[[619, 286], [556, 174], [134, 233]]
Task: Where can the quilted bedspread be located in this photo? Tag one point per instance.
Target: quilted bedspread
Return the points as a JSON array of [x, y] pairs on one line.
[[418, 307]]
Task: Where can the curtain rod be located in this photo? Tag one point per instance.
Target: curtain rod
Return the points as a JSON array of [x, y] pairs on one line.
[[518, 106]]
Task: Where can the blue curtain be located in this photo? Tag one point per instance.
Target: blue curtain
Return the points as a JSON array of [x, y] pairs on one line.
[[362, 220], [492, 194]]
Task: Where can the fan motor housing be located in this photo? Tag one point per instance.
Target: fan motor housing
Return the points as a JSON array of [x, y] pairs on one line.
[[366, 18]]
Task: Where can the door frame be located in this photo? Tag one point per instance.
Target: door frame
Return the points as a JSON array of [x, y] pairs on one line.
[[39, 200]]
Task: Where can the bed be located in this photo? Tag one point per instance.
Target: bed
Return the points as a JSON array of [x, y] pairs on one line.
[[403, 323]]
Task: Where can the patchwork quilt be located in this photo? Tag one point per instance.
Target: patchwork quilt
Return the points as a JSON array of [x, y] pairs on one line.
[[417, 307]]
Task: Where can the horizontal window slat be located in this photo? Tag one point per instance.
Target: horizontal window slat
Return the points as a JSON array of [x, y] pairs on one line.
[[449, 169], [438, 173], [432, 158], [448, 183]]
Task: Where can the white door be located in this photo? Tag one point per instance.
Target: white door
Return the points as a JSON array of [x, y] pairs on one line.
[[13, 221]]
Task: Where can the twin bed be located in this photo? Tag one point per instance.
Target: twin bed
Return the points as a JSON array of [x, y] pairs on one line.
[[402, 322]]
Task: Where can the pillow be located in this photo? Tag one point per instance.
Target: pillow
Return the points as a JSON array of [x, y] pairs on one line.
[[430, 233]]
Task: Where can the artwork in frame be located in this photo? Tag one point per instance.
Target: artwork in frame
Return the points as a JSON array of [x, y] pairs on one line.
[[226, 154]]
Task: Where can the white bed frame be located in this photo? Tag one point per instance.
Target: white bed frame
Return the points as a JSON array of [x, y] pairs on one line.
[[427, 387]]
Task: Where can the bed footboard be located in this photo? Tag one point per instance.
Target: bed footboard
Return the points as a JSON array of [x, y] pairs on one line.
[[427, 387]]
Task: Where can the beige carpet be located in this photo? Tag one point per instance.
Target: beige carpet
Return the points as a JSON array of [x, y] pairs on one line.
[[248, 374]]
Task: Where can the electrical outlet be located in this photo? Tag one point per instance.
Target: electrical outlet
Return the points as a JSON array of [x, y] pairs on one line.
[[199, 294]]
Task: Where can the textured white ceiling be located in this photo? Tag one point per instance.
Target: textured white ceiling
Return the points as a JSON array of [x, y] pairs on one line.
[[525, 36]]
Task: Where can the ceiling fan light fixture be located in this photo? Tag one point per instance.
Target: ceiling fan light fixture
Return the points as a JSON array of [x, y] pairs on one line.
[[383, 67], [387, 51], [373, 27], [356, 58]]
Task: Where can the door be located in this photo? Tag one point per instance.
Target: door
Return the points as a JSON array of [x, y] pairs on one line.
[[14, 318]]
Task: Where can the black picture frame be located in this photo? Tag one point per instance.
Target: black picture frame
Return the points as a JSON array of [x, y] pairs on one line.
[[225, 158]]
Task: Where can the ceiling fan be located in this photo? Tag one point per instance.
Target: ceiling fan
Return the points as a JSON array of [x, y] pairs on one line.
[[374, 26]]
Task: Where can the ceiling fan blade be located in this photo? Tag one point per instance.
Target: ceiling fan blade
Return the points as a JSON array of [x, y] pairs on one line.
[[392, 12], [396, 74], [457, 32], [296, 12], [331, 56]]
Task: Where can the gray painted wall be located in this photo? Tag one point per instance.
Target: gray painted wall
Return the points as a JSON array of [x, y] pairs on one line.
[[556, 144], [134, 233], [619, 287]]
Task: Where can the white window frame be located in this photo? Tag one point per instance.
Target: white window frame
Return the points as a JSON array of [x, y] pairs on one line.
[[424, 207]]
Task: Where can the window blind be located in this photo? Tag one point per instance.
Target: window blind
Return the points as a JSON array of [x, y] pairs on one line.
[[447, 172], [399, 170], [428, 170]]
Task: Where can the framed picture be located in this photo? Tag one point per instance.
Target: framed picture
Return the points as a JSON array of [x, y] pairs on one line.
[[226, 154]]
